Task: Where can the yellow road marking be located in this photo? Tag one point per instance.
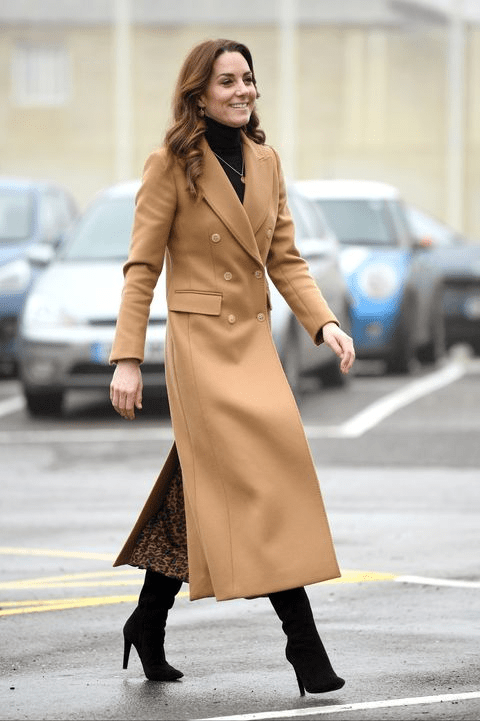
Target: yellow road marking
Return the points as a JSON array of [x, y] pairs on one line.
[[97, 579], [89, 556], [352, 576], [12, 608], [73, 579]]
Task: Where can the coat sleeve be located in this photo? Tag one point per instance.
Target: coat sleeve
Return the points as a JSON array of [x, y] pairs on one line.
[[155, 208], [290, 274]]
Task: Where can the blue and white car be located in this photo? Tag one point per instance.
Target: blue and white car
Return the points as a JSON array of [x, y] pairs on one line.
[[33, 215], [395, 311]]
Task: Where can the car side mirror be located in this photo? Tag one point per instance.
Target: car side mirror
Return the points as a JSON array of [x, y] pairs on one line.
[[41, 254], [422, 242]]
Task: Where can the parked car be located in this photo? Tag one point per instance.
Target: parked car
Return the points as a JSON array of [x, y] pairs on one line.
[[69, 318], [396, 295], [456, 260], [33, 216], [321, 249]]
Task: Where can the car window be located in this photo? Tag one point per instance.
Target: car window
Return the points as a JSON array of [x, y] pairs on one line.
[[103, 232], [301, 227], [362, 221], [16, 215], [400, 221], [54, 215]]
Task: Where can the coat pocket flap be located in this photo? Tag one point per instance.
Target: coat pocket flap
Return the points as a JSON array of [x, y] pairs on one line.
[[196, 301]]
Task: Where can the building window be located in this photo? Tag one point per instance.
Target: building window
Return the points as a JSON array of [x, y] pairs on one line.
[[40, 75]]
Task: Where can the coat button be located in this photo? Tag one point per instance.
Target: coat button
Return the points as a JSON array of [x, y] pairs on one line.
[[261, 316], [269, 232], [227, 276], [258, 274], [231, 318], [215, 238]]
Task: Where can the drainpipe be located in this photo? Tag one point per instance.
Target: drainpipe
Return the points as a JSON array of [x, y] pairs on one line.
[[455, 155], [287, 85], [123, 123]]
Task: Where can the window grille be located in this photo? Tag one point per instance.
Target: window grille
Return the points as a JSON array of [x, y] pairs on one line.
[[40, 75]]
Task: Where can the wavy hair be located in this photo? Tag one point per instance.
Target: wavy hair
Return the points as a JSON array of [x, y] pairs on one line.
[[184, 136]]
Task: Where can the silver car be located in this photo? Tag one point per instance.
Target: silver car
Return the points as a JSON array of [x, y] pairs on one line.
[[321, 249], [67, 326]]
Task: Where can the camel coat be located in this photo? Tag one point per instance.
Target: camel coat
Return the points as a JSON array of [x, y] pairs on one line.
[[256, 522]]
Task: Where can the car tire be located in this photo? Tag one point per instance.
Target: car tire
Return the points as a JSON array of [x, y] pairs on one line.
[[436, 347], [400, 360], [42, 403], [291, 360]]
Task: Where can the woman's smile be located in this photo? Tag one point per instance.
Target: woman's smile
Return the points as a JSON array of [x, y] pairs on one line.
[[230, 95]]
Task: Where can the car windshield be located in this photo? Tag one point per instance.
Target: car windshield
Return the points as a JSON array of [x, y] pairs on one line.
[[362, 222], [103, 232], [16, 215]]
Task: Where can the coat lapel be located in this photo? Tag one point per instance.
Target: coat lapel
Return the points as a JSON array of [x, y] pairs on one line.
[[241, 220], [259, 179]]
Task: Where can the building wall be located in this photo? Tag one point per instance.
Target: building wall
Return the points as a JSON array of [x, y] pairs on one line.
[[371, 103]]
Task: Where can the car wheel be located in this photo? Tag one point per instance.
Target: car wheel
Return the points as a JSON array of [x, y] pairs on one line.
[[400, 360], [291, 360], [332, 377], [436, 346], [41, 403]]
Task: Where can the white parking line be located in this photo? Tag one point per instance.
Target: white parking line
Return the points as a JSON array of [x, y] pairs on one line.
[[373, 414], [424, 581], [355, 427], [368, 705]]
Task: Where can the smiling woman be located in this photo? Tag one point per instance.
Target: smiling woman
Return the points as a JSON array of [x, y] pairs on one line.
[[230, 95], [236, 510]]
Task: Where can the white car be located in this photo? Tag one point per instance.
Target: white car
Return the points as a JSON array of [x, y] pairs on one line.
[[67, 326]]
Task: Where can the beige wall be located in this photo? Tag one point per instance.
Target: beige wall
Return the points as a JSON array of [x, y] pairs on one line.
[[371, 104]]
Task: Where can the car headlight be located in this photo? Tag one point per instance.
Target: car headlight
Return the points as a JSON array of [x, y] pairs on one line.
[[43, 312], [15, 277], [379, 281]]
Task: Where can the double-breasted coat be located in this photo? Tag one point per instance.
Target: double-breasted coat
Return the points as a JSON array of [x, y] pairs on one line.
[[256, 521]]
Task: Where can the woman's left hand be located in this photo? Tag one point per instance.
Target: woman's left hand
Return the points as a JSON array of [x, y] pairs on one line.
[[341, 344]]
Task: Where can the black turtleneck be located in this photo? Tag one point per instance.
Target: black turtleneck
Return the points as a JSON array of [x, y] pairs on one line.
[[226, 143]]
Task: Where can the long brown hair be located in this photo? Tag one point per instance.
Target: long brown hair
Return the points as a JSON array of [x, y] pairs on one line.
[[184, 136]]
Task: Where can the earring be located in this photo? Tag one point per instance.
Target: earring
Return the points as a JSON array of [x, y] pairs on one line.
[[201, 111]]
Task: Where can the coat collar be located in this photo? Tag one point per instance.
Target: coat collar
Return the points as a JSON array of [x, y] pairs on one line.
[[243, 221]]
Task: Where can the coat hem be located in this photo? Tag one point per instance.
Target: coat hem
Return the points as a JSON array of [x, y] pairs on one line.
[[263, 593]]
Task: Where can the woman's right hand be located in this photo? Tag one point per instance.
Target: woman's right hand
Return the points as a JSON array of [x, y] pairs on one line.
[[126, 388]]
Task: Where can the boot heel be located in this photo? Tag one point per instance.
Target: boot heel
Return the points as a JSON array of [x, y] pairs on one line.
[[127, 645], [301, 687]]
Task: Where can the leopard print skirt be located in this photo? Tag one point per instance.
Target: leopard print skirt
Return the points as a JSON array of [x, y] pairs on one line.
[[162, 544]]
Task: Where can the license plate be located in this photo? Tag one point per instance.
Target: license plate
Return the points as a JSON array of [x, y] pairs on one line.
[[472, 307]]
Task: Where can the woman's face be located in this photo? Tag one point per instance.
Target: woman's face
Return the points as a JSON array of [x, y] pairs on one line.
[[230, 94]]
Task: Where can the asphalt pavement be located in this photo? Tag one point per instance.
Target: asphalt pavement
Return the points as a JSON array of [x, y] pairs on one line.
[[398, 461]]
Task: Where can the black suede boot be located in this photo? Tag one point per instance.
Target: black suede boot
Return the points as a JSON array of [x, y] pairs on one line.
[[145, 628], [304, 650]]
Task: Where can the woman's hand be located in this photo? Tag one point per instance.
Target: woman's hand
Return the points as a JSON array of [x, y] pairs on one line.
[[341, 344], [126, 388]]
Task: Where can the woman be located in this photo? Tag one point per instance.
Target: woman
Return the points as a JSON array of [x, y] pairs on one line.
[[212, 205]]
